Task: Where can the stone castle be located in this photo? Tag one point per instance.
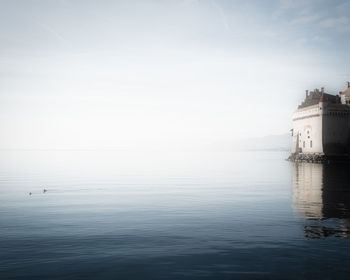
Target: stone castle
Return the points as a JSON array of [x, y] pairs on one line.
[[321, 126]]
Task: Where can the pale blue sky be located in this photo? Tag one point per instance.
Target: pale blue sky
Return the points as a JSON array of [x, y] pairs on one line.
[[82, 74]]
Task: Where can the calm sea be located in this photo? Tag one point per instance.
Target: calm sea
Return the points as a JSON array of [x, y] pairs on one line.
[[175, 215]]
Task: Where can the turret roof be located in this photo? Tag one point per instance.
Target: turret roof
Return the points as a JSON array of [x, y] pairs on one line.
[[346, 92]]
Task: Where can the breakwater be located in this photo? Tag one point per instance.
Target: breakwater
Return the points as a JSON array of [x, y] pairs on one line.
[[316, 158]]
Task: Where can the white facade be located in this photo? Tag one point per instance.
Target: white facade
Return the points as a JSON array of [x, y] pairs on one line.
[[307, 130]]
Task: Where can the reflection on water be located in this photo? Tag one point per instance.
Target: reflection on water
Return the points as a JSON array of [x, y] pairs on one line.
[[321, 192]]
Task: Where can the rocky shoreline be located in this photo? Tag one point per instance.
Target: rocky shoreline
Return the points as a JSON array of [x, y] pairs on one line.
[[316, 158]]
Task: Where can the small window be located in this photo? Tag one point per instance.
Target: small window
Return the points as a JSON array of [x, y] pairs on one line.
[[311, 144], [304, 144]]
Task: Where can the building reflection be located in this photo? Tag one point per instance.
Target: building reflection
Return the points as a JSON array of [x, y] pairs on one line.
[[321, 192]]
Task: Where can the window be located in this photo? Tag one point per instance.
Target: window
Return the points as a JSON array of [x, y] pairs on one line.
[[311, 144], [304, 144]]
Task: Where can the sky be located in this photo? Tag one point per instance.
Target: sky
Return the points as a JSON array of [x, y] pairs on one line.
[[144, 74]]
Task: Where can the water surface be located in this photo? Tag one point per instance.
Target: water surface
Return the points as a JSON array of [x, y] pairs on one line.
[[183, 215]]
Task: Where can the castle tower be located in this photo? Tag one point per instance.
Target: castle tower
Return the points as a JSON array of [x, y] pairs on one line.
[[321, 126]]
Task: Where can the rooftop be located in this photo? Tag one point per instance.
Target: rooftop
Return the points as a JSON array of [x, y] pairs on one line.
[[313, 98]]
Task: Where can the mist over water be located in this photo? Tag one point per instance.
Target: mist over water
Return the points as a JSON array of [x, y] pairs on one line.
[[147, 140], [181, 214]]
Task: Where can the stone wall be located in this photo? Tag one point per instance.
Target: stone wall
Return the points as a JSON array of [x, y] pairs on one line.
[[336, 129]]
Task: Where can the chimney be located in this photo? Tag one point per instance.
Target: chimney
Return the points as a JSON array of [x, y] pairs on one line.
[[347, 85], [322, 90], [307, 93]]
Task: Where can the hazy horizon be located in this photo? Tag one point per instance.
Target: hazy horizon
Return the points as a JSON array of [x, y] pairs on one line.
[[137, 74], [148, 139]]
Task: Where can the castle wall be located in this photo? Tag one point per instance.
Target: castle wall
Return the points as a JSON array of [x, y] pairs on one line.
[[336, 130], [307, 130]]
